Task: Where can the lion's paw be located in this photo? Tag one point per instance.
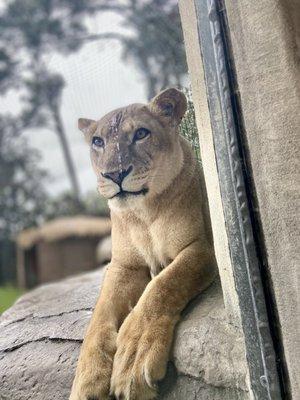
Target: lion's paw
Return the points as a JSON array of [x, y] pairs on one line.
[[142, 354]]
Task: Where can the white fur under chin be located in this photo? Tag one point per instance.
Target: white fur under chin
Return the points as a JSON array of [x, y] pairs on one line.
[[129, 202]]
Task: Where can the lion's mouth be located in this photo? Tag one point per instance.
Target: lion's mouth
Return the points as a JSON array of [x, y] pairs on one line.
[[124, 193]]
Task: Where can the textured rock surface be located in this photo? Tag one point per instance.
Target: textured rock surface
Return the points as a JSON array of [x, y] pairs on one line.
[[41, 335]]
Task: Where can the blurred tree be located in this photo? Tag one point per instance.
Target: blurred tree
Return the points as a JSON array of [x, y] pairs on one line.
[[157, 47], [22, 192], [154, 42], [95, 207], [29, 30], [42, 109], [7, 70], [64, 205]]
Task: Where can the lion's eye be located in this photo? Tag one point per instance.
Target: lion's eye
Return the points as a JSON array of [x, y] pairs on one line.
[[98, 141], [141, 133]]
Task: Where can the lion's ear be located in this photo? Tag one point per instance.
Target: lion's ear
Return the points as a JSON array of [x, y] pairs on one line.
[[85, 124], [170, 105]]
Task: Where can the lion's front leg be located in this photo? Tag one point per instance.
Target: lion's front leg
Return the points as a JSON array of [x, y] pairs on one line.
[[145, 338], [94, 368], [121, 289]]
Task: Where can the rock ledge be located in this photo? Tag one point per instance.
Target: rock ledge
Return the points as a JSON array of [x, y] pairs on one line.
[[42, 333]]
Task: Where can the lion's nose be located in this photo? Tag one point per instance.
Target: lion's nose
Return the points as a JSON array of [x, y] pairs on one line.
[[117, 176]]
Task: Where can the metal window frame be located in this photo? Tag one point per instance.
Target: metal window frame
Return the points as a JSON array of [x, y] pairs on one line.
[[260, 352]]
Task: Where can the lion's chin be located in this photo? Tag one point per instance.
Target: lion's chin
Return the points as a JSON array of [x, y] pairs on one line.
[[125, 194]]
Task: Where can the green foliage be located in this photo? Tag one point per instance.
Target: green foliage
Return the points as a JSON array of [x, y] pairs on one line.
[[8, 295], [188, 127]]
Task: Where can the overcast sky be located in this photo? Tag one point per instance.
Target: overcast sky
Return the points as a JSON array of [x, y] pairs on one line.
[[97, 81]]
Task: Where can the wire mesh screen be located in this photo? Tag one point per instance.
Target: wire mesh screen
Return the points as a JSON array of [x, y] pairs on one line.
[[61, 60]]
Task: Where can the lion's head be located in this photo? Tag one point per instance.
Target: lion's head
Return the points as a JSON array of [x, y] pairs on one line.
[[135, 150]]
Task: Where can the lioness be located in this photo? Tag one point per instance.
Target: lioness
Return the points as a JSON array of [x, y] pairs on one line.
[[162, 253]]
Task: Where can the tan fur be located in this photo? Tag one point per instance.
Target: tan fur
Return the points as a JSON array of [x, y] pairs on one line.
[[162, 252]]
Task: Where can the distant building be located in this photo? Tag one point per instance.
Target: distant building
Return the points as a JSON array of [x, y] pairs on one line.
[[59, 248]]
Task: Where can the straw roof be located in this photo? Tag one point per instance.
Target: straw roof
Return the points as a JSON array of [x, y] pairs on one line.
[[62, 228]]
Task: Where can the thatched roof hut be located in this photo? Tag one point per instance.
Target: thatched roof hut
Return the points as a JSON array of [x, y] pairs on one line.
[[59, 248]]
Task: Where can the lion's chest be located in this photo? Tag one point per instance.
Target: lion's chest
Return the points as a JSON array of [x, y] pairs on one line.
[[151, 243]]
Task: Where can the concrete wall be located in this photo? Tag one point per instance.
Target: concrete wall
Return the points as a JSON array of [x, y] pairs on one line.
[[265, 41], [193, 52]]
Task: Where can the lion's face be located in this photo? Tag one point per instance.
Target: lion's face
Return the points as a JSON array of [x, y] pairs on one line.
[[135, 150]]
